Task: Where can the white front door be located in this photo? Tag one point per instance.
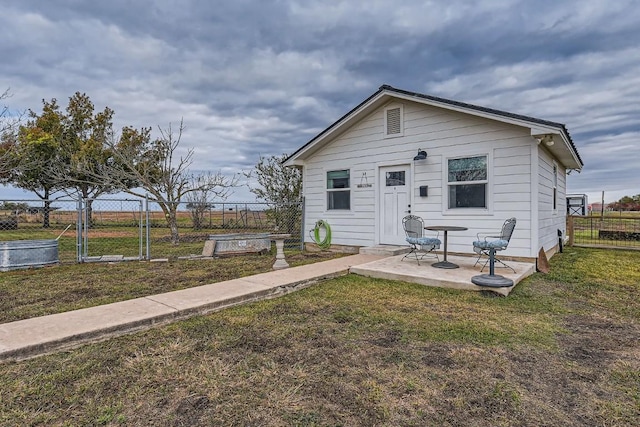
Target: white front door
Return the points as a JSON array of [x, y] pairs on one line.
[[395, 202]]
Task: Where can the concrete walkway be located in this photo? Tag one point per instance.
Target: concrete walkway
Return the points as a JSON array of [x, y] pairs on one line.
[[41, 335]]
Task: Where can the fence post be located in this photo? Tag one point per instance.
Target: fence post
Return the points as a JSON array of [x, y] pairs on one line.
[[302, 224], [79, 232], [147, 227], [570, 229], [140, 228], [85, 225]]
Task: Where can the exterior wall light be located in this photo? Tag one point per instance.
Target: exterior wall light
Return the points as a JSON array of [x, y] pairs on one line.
[[422, 155]]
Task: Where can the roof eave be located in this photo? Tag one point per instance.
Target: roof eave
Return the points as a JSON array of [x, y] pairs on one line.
[[334, 129], [537, 126], [541, 133]]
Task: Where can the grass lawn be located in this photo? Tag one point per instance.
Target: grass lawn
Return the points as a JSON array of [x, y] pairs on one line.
[[49, 290], [562, 350]]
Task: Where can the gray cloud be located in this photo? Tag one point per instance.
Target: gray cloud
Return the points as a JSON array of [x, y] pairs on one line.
[[254, 78]]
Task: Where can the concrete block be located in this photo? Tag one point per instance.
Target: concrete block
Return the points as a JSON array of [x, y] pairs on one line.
[[209, 248]]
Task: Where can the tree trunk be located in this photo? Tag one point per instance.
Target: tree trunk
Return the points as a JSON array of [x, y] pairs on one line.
[[46, 209], [89, 207], [173, 226]]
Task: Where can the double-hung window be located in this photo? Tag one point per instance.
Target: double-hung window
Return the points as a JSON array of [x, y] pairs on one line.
[[338, 190], [467, 182]]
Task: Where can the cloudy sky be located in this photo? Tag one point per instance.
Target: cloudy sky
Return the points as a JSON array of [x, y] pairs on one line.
[[262, 77]]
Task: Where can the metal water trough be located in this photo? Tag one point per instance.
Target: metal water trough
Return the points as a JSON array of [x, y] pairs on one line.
[[18, 254], [241, 243]]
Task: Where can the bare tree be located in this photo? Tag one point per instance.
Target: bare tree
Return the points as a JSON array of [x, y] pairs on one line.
[[200, 201], [9, 124], [156, 168]]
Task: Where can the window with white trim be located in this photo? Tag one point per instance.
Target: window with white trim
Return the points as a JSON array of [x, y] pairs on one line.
[[467, 182], [338, 190], [393, 121]]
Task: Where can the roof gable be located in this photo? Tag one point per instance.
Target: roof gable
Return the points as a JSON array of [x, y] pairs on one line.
[[540, 129]]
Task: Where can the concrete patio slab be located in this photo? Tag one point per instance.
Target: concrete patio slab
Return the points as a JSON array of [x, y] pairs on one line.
[[394, 268]]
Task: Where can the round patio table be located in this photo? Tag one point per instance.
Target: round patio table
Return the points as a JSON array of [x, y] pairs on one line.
[[445, 229]]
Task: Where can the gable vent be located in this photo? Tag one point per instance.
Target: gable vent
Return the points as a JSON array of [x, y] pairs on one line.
[[393, 121]]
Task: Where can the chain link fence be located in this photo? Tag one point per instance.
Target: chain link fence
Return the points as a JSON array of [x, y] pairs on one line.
[[236, 227], [111, 230], [135, 229]]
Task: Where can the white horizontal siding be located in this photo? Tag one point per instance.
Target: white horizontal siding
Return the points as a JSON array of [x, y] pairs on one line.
[[443, 134], [550, 221], [511, 188]]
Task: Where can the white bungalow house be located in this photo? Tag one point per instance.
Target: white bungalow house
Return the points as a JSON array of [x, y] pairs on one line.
[[368, 170]]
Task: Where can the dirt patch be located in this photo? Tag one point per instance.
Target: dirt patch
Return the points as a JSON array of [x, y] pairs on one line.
[[596, 341], [566, 387], [190, 410], [387, 338]]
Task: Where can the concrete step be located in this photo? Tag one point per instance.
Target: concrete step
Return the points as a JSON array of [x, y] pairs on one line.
[[384, 250]]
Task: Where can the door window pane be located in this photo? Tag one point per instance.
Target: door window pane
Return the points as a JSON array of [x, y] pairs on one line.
[[394, 179]]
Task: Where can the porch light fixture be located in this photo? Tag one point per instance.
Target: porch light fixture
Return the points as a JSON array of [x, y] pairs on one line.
[[422, 155], [546, 139]]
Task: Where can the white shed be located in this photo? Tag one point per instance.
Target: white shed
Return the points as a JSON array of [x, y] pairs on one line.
[[363, 174]]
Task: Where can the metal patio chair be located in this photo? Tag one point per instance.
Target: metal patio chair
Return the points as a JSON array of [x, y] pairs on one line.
[[499, 242], [421, 246]]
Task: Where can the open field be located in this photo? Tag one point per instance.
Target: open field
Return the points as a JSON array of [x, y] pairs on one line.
[[237, 214], [562, 350]]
